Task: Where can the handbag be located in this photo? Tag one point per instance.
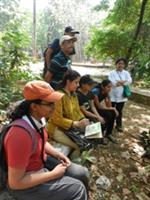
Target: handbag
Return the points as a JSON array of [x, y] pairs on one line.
[[75, 135], [126, 91]]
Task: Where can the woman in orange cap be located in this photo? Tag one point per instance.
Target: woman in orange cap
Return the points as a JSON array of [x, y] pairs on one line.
[[27, 151]]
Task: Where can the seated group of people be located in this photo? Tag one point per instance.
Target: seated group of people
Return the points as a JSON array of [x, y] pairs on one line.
[[43, 171], [35, 168], [80, 105]]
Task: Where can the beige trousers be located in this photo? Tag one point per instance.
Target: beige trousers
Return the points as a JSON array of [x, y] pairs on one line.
[[61, 137]]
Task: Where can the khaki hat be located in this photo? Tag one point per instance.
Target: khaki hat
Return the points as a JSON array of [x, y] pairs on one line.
[[34, 90], [66, 38]]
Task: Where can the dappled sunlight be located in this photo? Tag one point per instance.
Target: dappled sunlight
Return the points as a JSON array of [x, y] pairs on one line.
[[139, 150], [139, 121], [146, 117], [131, 128], [136, 120], [135, 106]]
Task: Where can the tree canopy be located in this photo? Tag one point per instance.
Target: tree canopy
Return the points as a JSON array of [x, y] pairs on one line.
[[113, 37], [124, 33]]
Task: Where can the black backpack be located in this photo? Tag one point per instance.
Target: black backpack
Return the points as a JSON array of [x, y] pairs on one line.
[[3, 164]]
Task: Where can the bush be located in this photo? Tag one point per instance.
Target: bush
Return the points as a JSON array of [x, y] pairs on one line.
[[13, 43]]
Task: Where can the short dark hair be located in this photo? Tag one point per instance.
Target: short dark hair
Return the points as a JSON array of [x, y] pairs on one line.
[[69, 29], [105, 82], [121, 59], [86, 79]]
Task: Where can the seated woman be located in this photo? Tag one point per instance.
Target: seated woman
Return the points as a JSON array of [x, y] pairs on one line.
[[86, 99], [67, 113], [86, 102], [36, 169], [103, 105]]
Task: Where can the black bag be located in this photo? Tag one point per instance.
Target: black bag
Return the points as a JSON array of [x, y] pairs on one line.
[[82, 142], [3, 164]]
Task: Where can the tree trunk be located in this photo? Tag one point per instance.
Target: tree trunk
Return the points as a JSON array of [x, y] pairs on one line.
[[129, 52], [34, 30]]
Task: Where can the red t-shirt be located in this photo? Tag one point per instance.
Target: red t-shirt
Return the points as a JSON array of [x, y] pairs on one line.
[[19, 149]]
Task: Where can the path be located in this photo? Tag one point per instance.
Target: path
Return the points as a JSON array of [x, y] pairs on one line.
[[38, 67]]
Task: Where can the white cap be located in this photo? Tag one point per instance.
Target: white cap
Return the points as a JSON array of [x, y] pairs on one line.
[[65, 38]]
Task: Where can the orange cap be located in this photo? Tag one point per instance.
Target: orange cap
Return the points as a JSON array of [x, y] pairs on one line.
[[34, 90]]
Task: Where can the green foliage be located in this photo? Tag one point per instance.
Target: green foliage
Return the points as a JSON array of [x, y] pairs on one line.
[[85, 157], [104, 5], [11, 86], [134, 188], [105, 41], [113, 37], [13, 44], [7, 12]]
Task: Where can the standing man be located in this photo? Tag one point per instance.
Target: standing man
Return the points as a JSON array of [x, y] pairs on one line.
[[61, 62], [54, 48]]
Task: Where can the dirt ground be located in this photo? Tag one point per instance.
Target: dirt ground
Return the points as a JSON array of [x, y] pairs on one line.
[[121, 163]]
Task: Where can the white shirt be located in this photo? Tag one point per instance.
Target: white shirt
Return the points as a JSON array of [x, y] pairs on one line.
[[116, 94], [38, 124]]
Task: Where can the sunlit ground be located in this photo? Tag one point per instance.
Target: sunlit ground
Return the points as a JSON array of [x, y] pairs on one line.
[[122, 163]]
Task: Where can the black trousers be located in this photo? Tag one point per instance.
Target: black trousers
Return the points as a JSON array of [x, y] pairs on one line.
[[109, 117], [119, 106], [45, 68]]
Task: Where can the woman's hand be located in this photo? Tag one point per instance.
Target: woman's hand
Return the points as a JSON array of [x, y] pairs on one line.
[[59, 170], [84, 122], [101, 119], [81, 124], [64, 159], [121, 83], [115, 110]]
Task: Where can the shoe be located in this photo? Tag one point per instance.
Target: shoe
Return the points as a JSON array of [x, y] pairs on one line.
[[102, 141], [119, 128], [112, 139]]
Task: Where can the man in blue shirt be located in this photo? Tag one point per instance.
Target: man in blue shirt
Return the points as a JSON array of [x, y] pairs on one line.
[[54, 48], [61, 62]]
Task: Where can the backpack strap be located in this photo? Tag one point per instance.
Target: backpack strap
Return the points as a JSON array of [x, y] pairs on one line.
[[3, 164], [25, 125]]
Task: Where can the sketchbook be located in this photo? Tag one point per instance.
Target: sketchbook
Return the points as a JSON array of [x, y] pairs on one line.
[[93, 131]]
